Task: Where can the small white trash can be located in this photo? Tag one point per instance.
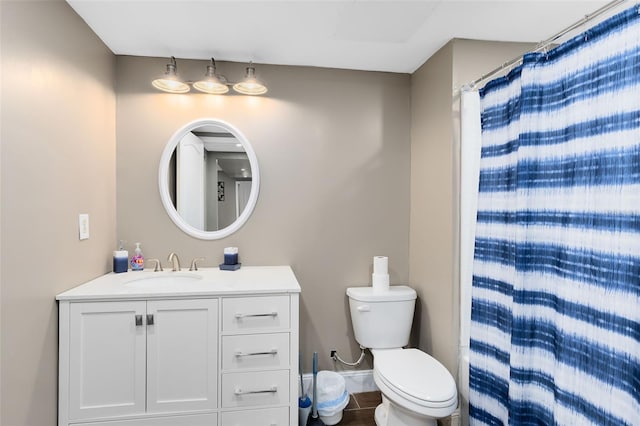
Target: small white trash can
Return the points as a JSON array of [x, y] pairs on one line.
[[332, 397]]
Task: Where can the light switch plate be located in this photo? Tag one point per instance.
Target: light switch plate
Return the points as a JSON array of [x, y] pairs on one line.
[[83, 226]]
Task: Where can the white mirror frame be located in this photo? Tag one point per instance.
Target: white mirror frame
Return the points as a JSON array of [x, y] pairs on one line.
[[163, 184]]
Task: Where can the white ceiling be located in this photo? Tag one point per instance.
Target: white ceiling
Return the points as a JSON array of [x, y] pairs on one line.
[[395, 36]]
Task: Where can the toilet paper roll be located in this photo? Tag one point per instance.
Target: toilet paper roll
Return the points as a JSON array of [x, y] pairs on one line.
[[380, 282], [380, 265]]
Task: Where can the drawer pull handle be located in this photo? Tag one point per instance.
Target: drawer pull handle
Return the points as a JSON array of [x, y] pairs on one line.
[[270, 314], [272, 389], [138, 320], [271, 352]]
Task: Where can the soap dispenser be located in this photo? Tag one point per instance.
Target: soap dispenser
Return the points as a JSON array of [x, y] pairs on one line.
[[120, 259], [137, 260]]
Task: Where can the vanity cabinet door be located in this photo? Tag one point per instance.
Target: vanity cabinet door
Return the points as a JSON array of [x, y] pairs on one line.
[[107, 366], [182, 355]]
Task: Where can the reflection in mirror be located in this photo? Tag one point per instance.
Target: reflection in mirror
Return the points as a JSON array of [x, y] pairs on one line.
[[212, 176], [209, 179]]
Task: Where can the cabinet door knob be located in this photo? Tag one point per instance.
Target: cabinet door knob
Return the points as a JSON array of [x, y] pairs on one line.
[[149, 319], [138, 320]]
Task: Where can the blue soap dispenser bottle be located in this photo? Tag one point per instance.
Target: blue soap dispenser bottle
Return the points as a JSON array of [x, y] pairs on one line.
[[137, 260]]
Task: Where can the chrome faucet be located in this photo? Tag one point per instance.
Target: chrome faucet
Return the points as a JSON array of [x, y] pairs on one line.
[[158, 266], [173, 258], [194, 263]]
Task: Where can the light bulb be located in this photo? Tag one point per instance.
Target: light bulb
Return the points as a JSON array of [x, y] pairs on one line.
[[250, 85], [212, 83], [170, 82]]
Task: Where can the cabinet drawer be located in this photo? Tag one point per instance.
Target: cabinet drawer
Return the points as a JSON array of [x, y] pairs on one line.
[[267, 417], [255, 313], [209, 419], [255, 351], [256, 388]]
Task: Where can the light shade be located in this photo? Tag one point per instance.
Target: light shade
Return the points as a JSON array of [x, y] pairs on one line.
[[250, 85], [170, 82], [212, 83]]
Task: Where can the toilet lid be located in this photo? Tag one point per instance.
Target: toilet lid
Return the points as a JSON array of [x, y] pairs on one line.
[[416, 374]]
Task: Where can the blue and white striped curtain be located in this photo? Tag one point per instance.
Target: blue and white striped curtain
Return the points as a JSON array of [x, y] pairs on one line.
[[555, 332]]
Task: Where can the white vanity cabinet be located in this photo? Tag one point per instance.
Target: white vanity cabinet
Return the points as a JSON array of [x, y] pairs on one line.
[[210, 354], [139, 357]]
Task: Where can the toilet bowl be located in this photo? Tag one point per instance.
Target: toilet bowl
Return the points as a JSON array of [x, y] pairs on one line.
[[416, 388]]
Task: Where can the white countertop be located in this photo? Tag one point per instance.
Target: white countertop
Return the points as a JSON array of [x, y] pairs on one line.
[[205, 282]]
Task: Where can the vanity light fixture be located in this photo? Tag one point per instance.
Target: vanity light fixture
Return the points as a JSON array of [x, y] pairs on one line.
[[212, 83], [170, 82], [250, 85]]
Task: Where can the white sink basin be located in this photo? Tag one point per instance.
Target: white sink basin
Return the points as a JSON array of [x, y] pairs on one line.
[[151, 280]]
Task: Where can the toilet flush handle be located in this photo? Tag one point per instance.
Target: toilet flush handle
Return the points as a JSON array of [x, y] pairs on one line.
[[364, 308]]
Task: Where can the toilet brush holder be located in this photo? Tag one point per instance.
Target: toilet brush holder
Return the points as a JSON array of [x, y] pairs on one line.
[[303, 414]]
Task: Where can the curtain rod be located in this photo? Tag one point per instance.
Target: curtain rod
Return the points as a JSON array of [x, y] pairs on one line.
[[544, 44]]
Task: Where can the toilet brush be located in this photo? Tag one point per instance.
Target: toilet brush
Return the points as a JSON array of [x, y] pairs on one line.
[[314, 420], [304, 402]]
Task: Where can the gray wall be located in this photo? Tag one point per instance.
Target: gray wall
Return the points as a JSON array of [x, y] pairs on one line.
[[333, 151], [58, 160], [435, 168], [432, 214]]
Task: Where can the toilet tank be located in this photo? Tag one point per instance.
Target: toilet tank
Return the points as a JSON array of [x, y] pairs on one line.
[[382, 319]]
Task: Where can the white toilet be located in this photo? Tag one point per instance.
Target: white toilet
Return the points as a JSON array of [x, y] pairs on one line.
[[416, 388]]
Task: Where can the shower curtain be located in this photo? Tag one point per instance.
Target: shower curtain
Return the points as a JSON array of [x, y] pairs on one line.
[[555, 317], [470, 146]]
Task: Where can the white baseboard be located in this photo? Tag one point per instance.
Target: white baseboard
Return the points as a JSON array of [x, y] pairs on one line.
[[355, 381], [455, 418], [359, 381]]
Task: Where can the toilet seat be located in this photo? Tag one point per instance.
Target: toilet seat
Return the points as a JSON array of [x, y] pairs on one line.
[[417, 378]]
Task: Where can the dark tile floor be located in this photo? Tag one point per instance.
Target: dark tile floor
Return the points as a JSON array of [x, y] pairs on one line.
[[360, 410]]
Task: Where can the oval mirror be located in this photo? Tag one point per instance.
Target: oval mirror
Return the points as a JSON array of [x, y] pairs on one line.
[[209, 179]]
